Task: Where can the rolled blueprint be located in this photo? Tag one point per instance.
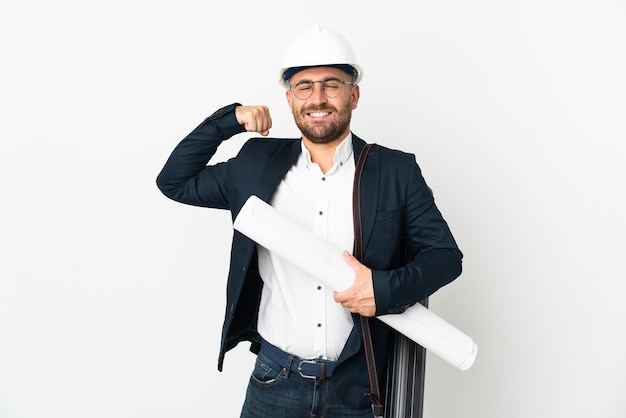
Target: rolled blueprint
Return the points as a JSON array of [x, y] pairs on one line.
[[267, 227]]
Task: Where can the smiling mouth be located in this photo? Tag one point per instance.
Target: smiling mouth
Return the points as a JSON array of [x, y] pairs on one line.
[[318, 114]]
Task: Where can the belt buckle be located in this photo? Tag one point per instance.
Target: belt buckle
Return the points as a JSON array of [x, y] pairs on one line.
[[306, 376]]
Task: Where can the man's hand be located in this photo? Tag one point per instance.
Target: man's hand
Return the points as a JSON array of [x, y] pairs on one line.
[[254, 118], [359, 298]]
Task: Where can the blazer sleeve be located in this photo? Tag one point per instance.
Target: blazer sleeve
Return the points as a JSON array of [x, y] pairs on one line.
[[434, 258], [186, 177]]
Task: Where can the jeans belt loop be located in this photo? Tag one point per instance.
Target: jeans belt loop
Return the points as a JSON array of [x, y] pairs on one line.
[[287, 368]]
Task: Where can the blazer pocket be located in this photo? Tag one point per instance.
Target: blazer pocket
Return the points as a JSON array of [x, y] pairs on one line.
[[389, 214], [388, 226]]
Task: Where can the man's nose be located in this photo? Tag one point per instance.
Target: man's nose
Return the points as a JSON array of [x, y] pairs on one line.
[[318, 95]]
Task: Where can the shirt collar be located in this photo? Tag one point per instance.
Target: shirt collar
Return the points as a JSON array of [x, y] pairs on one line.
[[342, 152]]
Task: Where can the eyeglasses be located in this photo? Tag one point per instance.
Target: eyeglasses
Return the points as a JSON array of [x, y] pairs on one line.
[[330, 86]]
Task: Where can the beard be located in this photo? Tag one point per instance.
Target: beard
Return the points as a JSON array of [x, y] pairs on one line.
[[326, 132]]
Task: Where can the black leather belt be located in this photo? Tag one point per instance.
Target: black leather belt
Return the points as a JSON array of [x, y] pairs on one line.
[[309, 369]]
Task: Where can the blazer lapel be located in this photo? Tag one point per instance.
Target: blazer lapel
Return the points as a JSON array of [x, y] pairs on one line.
[[370, 183], [278, 165]]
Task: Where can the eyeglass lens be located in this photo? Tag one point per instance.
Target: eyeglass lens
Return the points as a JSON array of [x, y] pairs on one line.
[[330, 86]]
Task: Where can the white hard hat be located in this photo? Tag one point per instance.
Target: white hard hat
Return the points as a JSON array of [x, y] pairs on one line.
[[318, 47]]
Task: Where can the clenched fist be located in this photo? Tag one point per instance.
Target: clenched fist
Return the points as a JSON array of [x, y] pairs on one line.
[[254, 118]]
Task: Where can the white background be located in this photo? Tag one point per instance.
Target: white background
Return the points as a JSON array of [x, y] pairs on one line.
[[112, 296]]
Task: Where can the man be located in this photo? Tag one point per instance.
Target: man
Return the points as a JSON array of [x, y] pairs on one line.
[[311, 360]]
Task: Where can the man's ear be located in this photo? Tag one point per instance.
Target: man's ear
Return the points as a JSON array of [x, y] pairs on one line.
[[356, 94]]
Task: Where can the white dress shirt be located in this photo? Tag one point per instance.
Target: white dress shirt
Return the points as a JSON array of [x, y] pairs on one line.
[[298, 313]]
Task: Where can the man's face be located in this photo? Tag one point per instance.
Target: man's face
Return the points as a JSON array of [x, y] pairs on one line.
[[321, 119]]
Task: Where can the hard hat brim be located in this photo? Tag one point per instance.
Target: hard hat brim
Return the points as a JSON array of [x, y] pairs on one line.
[[354, 70]]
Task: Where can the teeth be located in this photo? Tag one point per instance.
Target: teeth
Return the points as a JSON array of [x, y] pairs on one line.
[[319, 114]]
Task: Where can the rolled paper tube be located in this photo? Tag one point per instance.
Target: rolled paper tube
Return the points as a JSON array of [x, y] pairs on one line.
[[267, 227]]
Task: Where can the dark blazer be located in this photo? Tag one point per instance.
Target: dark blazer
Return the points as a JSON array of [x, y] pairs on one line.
[[397, 208]]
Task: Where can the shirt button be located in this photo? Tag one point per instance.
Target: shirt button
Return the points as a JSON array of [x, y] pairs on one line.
[[323, 178], [319, 287], [319, 325], [321, 213]]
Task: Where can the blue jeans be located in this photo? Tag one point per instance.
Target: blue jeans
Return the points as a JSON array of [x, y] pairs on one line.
[[274, 392]]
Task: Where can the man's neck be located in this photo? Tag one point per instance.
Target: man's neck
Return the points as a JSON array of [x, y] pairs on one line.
[[323, 154]]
